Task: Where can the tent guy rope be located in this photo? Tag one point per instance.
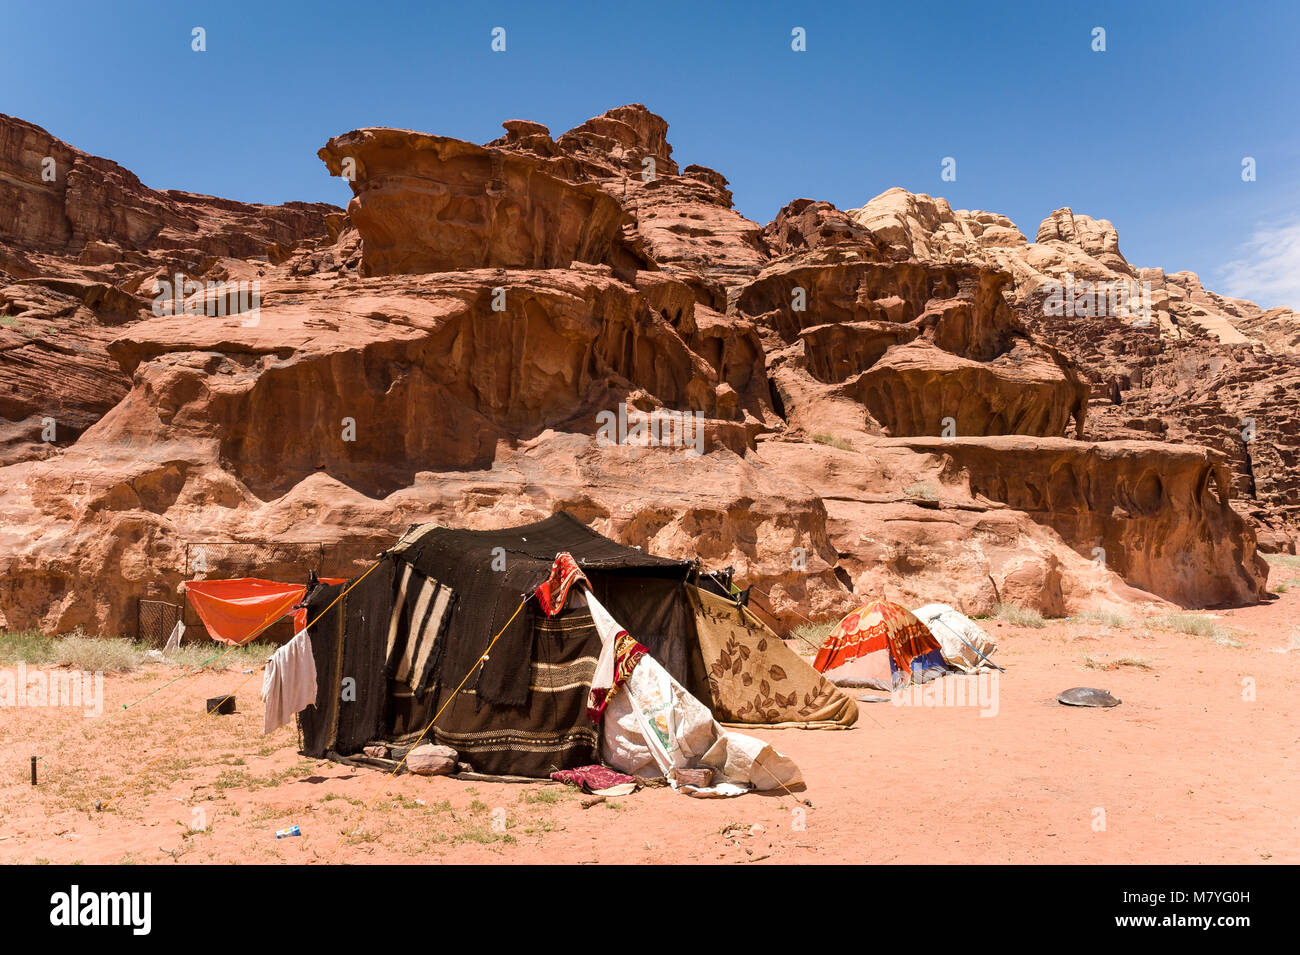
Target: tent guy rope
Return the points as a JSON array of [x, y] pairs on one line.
[[398, 767]]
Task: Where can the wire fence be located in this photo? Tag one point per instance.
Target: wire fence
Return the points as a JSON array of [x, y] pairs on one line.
[[273, 560], [155, 620]]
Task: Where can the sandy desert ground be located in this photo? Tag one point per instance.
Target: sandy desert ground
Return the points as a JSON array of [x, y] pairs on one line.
[[1197, 765]]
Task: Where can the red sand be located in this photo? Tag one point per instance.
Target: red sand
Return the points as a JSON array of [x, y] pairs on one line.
[[1186, 770]]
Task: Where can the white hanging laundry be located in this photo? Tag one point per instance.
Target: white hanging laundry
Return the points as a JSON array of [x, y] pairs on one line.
[[289, 683]]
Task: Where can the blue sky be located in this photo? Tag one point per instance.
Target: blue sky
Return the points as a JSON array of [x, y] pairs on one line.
[[1149, 134]]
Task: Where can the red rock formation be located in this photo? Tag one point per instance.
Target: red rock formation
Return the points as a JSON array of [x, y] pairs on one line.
[[1204, 368], [1160, 513], [95, 210], [81, 241], [432, 204], [443, 352], [436, 379], [907, 523], [805, 225], [921, 348], [684, 219]]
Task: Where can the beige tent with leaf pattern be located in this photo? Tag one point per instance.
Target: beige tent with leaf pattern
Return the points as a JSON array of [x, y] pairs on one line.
[[755, 678]]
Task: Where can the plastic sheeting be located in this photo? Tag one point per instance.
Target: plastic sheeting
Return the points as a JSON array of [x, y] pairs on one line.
[[654, 727], [234, 611], [964, 645]]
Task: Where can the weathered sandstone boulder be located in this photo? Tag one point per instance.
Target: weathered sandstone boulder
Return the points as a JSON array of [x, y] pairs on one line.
[[431, 759], [432, 204]]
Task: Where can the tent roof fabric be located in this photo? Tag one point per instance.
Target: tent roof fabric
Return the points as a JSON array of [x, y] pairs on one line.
[[491, 571], [537, 543]]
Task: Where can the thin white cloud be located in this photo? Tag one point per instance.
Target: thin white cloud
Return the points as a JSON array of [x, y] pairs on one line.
[[1268, 271]]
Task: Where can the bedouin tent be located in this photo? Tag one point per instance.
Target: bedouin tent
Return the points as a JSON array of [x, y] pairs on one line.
[[394, 650], [880, 645], [964, 645]]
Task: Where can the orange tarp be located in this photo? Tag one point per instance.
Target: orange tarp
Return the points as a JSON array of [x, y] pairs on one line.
[[236, 610]]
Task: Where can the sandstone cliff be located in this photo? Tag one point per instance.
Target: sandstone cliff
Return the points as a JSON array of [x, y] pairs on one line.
[[878, 413], [1207, 369]]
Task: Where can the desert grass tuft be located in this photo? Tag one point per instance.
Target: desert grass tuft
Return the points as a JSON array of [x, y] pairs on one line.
[[811, 636], [1019, 616], [922, 489], [119, 655], [29, 646], [1196, 625], [1102, 618], [1136, 663], [834, 442]]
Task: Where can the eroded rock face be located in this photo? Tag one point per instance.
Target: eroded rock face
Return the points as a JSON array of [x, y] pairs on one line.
[[81, 242], [1206, 369], [1160, 514], [687, 223], [56, 378], [432, 204], [684, 220], [1096, 238], [93, 209], [926, 228], [430, 376], [907, 527], [124, 518], [805, 225], [445, 352], [923, 349]]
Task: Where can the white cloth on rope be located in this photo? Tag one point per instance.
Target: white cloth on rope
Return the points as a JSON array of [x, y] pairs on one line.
[[289, 683], [608, 628]]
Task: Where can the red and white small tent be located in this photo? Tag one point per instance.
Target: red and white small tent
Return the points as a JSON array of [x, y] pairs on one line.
[[879, 645]]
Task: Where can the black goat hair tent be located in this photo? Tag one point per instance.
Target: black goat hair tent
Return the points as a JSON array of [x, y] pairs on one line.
[[395, 649]]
